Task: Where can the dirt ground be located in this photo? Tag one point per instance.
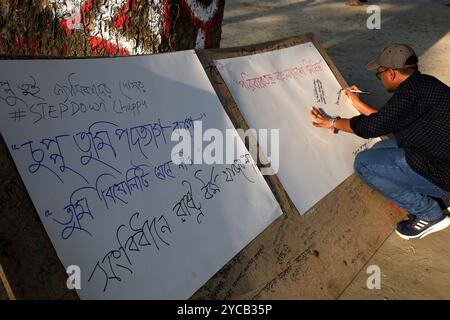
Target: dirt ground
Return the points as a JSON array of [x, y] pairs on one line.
[[409, 269]]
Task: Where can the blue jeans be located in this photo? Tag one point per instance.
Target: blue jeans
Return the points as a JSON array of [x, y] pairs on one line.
[[384, 168]]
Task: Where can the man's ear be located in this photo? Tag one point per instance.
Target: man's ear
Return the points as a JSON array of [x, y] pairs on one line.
[[392, 74]]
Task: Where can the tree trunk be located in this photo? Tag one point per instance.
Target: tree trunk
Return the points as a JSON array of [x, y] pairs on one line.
[[105, 27]]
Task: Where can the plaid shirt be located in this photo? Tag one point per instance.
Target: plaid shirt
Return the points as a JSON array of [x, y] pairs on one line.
[[418, 114]]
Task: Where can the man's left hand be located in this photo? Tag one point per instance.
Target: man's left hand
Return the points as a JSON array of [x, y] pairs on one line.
[[320, 120]]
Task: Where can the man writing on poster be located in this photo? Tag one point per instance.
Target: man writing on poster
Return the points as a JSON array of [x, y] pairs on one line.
[[412, 170]]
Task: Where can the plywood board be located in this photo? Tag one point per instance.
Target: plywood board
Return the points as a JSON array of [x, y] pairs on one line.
[[311, 257], [93, 141], [314, 256], [275, 90]]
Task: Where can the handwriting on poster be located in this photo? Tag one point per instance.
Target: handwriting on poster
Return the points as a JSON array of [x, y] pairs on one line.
[[253, 83], [89, 163]]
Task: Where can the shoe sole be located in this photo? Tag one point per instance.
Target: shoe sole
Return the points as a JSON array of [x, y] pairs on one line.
[[435, 228]]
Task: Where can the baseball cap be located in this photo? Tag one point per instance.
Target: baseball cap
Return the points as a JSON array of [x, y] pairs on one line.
[[395, 56]]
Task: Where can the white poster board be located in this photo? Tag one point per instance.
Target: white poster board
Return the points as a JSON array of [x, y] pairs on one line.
[[91, 139], [275, 90]]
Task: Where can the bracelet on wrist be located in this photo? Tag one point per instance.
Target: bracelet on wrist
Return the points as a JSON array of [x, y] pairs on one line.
[[332, 122]]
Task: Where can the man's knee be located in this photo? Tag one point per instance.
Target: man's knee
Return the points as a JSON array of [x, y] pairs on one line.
[[361, 161]]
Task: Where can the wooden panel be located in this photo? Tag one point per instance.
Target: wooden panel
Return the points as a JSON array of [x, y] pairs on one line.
[[26, 253], [311, 256], [5, 289], [3, 294], [301, 257]]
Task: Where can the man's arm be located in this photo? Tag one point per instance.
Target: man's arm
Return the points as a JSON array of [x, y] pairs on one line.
[[398, 112], [322, 121], [343, 124], [362, 107]]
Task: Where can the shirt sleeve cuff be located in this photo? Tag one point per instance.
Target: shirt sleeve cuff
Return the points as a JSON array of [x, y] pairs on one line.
[[354, 124]]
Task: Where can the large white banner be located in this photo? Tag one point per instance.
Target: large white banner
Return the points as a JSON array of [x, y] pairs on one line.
[[275, 90], [91, 139]]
